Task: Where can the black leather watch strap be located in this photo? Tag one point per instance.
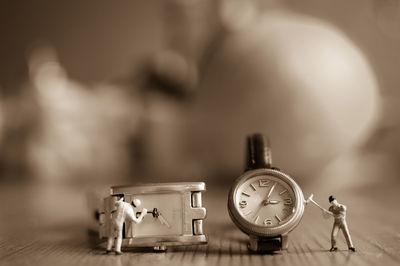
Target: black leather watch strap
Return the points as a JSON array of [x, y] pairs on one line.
[[258, 155], [266, 245], [258, 152], [269, 245]]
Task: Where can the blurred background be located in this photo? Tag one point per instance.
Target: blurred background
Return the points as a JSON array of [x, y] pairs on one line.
[[95, 93]]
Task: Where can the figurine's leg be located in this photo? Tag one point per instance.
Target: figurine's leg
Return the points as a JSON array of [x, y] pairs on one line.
[[110, 240], [346, 234], [335, 231], [110, 243], [118, 242]]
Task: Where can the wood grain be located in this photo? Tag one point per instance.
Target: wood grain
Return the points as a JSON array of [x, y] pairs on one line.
[[26, 239]]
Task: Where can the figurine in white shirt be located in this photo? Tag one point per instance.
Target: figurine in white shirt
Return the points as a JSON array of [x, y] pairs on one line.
[[124, 212]]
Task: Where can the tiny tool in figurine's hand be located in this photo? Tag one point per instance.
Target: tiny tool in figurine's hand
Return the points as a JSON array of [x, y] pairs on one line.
[[154, 212], [158, 215], [325, 211]]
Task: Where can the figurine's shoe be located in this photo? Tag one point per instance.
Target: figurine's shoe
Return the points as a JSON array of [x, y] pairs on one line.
[[333, 249], [352, 249], [118, 253], [108, 251]]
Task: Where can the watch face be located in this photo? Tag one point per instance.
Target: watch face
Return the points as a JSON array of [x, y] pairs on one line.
[[265, 200], [169, 206]]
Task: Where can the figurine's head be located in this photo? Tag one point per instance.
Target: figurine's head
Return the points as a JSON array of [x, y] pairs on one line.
[[136, 202], [119, 202], [332, 200]]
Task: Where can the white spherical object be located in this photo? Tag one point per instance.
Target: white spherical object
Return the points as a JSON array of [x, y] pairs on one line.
[[295, 78]]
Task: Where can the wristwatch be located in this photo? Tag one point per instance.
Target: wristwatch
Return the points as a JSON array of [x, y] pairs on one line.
[[264, 202], [174, 218]]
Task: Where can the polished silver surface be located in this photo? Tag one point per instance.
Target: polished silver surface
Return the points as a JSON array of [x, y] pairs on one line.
[[182, 214], [158, 187], [163, 241]]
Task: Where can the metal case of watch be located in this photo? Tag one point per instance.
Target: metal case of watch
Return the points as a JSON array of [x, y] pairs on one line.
[[179, 219], [267, 221]]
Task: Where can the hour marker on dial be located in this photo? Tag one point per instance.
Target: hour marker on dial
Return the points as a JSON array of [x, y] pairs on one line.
[[256, 220], [243, 204], [288, 201], [267, 221], [253, 187], [283, 192], [247, 195], [247, 213], [264, 182], [277, 217]]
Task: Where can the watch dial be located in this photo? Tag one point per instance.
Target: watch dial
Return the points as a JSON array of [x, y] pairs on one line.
[[169, 221], [265, 200]]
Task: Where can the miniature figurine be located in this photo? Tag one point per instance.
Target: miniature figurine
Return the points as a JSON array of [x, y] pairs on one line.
[[338, 211], [123, 212]]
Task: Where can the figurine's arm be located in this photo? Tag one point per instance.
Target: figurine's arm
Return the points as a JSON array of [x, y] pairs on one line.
[[140, 218], [328, 213]]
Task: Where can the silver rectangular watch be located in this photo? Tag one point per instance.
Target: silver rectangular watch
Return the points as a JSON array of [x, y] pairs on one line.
[[173, 215]]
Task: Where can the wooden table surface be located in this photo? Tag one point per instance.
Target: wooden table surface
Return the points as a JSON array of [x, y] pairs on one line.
[[48, 225]]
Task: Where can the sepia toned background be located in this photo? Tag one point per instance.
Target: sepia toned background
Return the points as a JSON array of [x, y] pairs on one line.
[[98, 93]]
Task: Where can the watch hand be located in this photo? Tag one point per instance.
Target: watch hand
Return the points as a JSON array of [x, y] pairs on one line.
[[262, 203], [256, 214], [270, 191], [266, 201], [163, 221]]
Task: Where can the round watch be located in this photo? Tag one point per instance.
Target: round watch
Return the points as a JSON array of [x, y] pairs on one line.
[[264, 202]]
